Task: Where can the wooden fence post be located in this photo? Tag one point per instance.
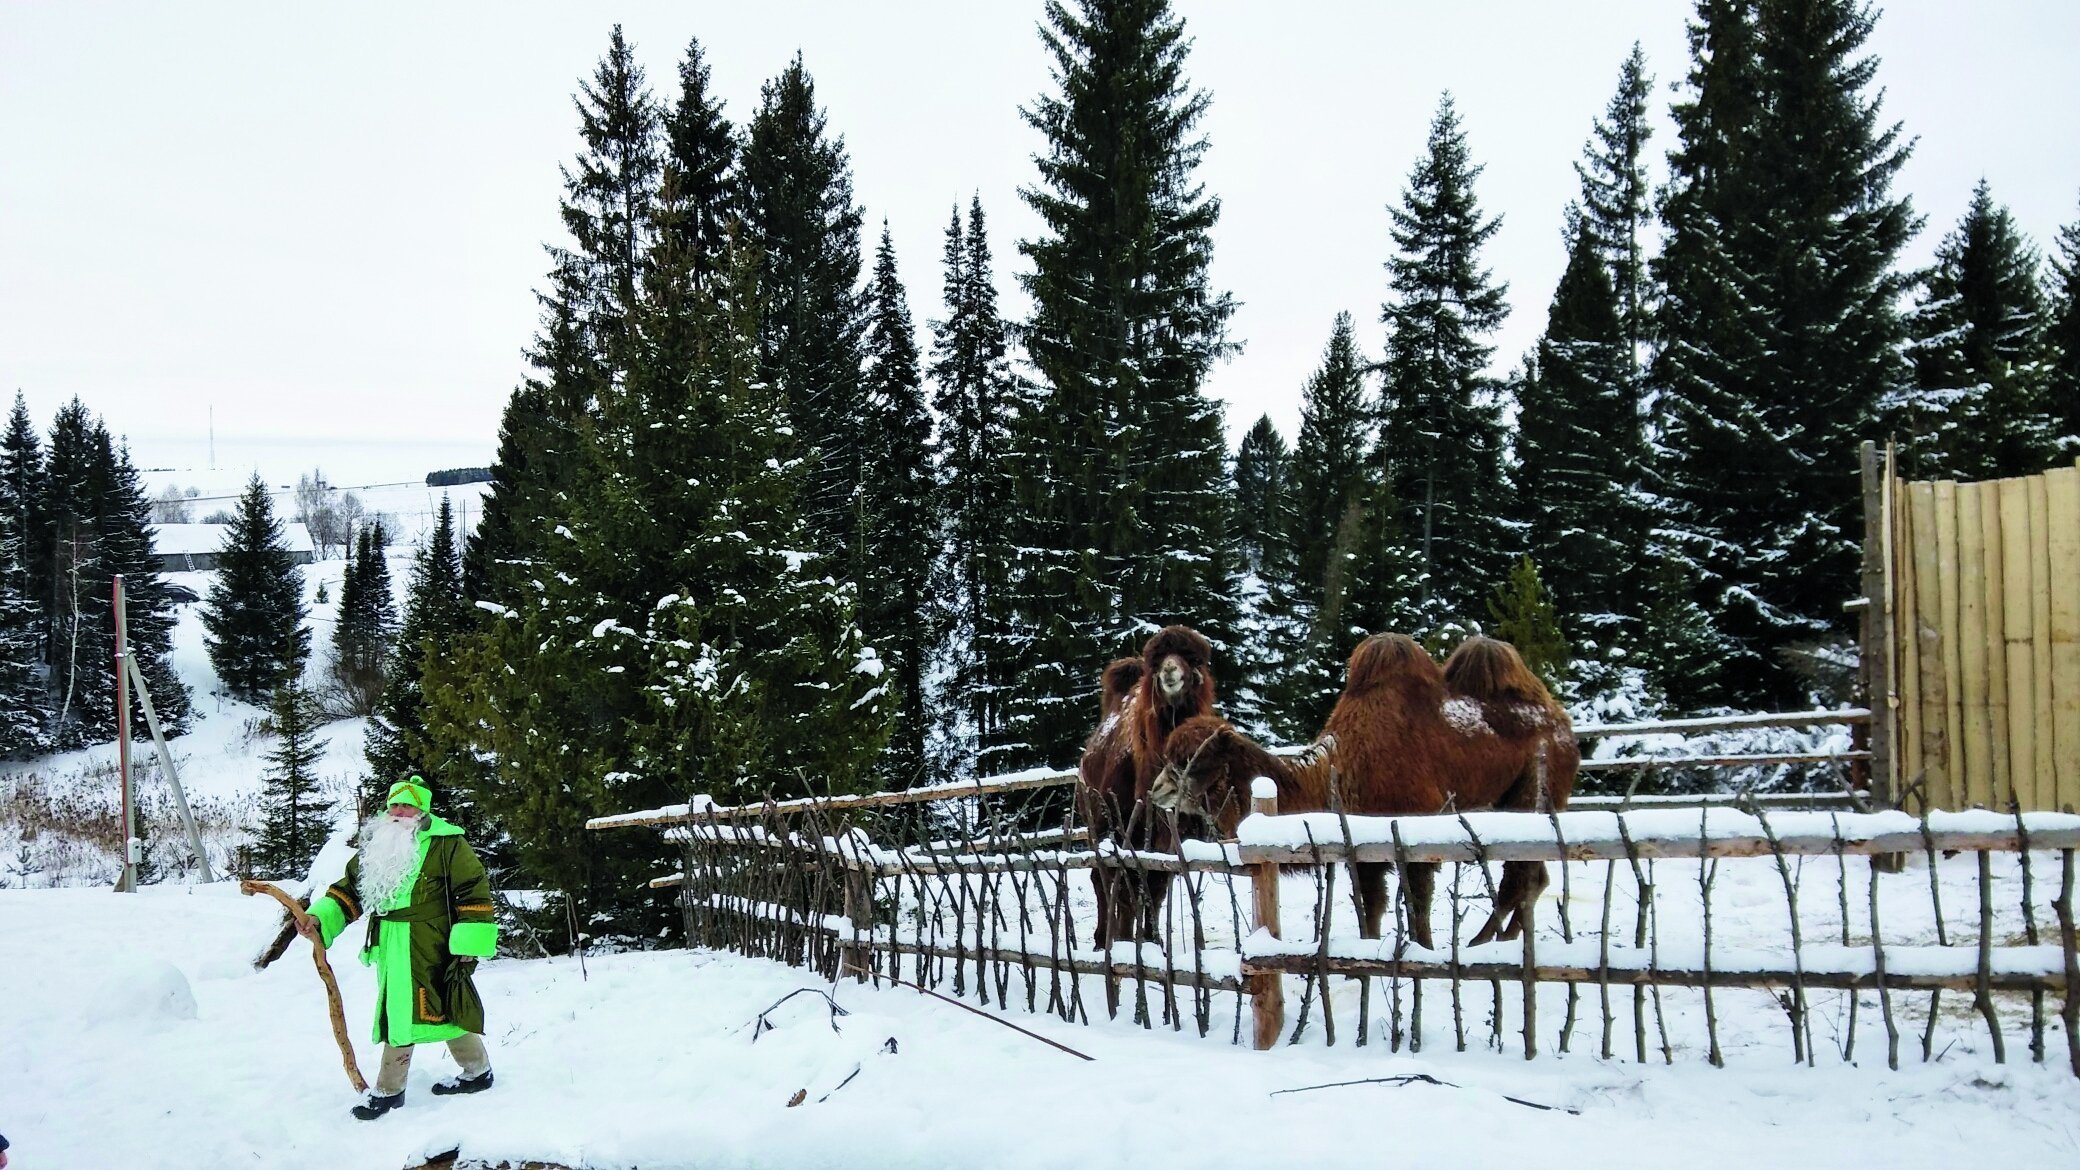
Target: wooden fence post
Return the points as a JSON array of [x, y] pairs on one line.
[[859, 911], [1876, 632], [1266, 989]]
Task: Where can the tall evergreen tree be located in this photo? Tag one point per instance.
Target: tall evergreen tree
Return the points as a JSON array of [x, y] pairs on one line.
[[254, 613], [1581, 454], [362, 636], [697, 196], [435, 614], [897, 525], [977, 401], [2063, 389], [1121, 503], [1778, 325], [25, 492], [609, 207], [1269, 627], [1333, 494], [124, 522], [295, 817], [682, 641], [610, 194], [24, 701], [1979, 407], [1617, 202], [799, 213], [1440, 431]]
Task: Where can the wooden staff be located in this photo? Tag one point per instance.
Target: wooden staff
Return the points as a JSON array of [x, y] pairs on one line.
[[339, 1018]]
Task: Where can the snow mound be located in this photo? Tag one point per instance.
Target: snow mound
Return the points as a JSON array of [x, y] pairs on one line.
[[142, 989]]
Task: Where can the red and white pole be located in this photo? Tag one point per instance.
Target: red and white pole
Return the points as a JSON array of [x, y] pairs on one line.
[[127, 882]]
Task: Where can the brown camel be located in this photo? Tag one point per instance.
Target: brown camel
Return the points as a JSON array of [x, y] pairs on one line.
[[1171, 682], [1404, 738]]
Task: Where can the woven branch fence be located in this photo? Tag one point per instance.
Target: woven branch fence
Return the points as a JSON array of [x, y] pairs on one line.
[[1643, 946]]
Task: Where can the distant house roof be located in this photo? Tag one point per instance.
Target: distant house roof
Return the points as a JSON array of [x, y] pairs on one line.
[[175, 540]]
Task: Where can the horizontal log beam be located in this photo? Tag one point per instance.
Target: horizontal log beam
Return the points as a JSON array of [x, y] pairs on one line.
[[1614, 849], [1822, 718], [680, 814], [1625, 977], [1612, 765], [1813, 801]]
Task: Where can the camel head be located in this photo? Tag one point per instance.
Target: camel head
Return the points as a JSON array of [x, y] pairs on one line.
[[1196, 780], [1179, 662]]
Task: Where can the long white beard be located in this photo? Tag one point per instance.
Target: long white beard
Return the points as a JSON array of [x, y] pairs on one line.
[[389, 847]]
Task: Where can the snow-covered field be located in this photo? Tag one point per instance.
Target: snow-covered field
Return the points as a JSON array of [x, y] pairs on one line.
[[137, 1036]]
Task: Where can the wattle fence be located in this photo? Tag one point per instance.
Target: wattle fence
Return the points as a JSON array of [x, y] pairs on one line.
[[1715, 928]]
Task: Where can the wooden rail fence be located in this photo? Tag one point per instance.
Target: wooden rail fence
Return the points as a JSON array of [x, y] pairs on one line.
[[939, 892]]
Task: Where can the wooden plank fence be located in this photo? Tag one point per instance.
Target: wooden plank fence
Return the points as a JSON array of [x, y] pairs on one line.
[[1982, 656]]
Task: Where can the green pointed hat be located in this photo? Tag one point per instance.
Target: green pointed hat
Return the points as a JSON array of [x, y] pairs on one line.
[[412, 792]]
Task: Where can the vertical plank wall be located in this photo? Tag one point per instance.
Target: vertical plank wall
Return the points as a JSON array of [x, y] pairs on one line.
[[1987, 641]]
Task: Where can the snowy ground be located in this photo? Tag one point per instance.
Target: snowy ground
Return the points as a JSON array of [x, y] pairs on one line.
[[139, 1037]]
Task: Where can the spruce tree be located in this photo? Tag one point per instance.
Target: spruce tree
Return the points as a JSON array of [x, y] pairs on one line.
[[24, 701], [124, 523], [683, 640], [796, 183], [1979, 407], [1120, 506], [1332, 491], [2062, 390], [435, 615], [1778, 329], [897, 525], [1617, 203], [1440, 427], [1581, 455], [69, 562], [1269, 626], [610, 194], [295, 817], [697, 197], [1524, 617], [977, 401], [367, 624], [25, 492], [254, 612], [609, 208]]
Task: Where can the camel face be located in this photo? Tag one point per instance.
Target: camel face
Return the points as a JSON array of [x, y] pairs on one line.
[[1176, 679], [1167, 793]]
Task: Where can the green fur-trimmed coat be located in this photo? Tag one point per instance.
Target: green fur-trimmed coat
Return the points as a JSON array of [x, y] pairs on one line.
[[425, 944]]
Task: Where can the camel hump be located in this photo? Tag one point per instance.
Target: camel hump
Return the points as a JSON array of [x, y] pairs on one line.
[[1181, 641], [1385, 658], [1493, 672], [1121, 676]]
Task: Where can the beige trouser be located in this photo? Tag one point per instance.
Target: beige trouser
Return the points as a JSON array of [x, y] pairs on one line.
[[467, 1049]]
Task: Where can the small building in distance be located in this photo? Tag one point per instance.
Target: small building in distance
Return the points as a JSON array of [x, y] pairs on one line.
[[193, 548]]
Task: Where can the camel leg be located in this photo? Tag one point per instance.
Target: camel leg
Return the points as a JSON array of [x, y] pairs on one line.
[[1102, 892], [1522, 883], [1372, 896], [1157, 888], [1419, 878]]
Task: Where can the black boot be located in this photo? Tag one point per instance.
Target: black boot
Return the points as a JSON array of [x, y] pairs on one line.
[[376, 1106], [455, 1085]]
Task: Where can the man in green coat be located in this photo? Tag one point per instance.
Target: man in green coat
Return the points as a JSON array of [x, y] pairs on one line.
[[429, 905]]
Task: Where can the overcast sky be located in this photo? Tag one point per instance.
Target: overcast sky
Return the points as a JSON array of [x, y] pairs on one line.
[[327, 221]]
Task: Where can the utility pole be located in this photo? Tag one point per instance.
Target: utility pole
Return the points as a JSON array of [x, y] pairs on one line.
[[128, 673], [126, 882]]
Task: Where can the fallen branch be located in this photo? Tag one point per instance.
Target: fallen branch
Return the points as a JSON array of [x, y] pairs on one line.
[[985, 1015], [339, 1018], [1427, 1079]]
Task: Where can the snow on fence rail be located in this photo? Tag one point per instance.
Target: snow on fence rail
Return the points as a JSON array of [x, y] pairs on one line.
[[987, 890]]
